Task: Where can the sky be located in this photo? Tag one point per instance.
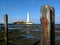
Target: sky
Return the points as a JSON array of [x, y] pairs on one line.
[[17, 10]]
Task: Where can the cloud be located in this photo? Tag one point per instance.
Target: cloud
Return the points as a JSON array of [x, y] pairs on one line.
[[34, 1], [1, 20], [14, 8], [5, 7]]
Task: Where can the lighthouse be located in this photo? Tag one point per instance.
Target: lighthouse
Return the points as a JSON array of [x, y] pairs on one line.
[[28, 19]]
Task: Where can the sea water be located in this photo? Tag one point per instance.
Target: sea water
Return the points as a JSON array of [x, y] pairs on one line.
[[32, 29]]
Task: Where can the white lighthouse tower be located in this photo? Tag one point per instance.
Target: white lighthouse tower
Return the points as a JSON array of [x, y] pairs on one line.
[[28, 18]]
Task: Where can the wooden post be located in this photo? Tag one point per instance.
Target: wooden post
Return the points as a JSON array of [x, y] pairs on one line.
[[6, 29], [47, 25], [52, 18]]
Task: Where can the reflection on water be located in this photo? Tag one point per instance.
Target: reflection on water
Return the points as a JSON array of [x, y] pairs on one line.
[[57, 38]]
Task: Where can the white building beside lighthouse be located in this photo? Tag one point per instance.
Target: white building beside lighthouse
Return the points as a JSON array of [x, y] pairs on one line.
[[28, 19]]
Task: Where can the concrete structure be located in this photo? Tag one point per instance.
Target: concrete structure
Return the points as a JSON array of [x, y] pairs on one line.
[[47, 25]]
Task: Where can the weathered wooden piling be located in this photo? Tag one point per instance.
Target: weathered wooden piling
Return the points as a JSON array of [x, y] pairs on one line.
[[6, 29], [52, 32], [47, 25]]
